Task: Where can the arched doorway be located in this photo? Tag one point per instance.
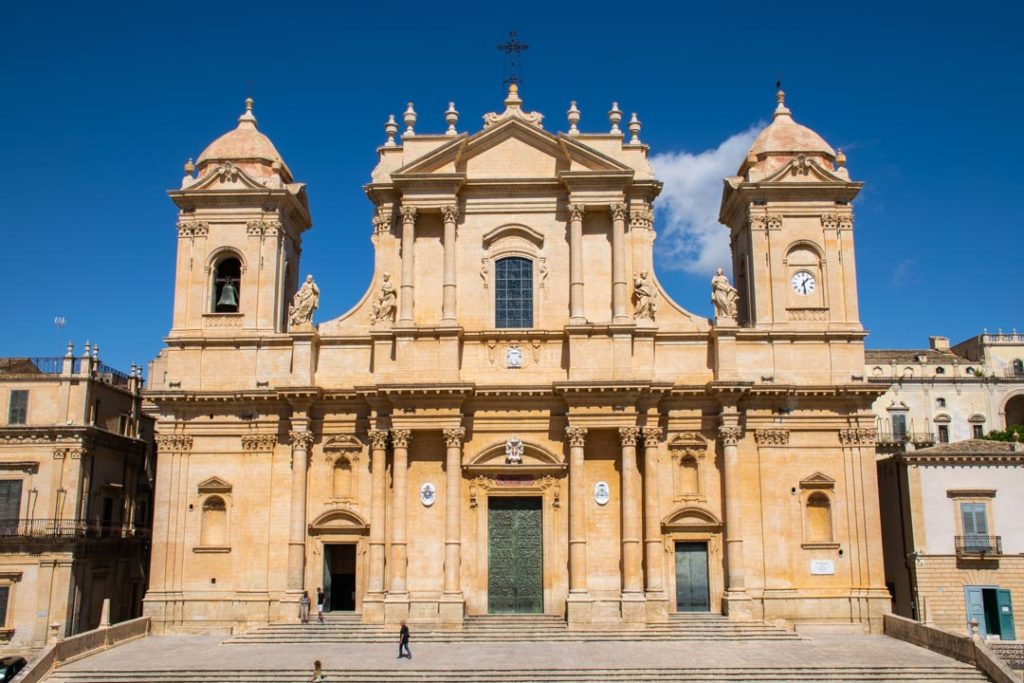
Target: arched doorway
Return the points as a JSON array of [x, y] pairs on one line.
[[1014, 411]]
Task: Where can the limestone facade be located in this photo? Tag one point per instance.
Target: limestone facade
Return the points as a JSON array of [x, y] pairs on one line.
[[76, 467], [515, 358]]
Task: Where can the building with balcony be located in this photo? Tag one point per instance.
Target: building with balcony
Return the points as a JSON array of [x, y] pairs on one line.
[[953, 534], [76, 475]]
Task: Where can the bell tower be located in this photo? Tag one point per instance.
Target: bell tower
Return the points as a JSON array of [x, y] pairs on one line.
[[788, 210], [240, 224]]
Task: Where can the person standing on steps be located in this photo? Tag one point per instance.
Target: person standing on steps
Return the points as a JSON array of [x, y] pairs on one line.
[[318, 673], [304, 607], [403, 641], [320, 605]]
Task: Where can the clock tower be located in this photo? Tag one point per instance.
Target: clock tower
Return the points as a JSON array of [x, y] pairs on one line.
[[788, 210]]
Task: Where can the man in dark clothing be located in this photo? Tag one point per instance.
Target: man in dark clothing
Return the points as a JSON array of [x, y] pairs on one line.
[[403, 642]]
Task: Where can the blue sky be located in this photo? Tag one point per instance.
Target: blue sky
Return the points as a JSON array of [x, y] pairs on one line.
[[104, 102]]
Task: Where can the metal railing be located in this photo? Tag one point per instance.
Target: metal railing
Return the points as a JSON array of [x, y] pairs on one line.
[[900, 438], [65, 529], [115, 377], [976, 544], [36, 366]]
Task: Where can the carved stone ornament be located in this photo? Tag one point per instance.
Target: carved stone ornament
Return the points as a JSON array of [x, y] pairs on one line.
[[514, 357], [513, 110], [618, 212], [801, 165], [450, 214], [628, 435], [400, 438], [259, 443], [453, 437], [730, 436], [651, 436], [576, 212], [645, 305], [304, 304], [724, 296], [263, 227], [173, 443], [378, 438], [577, 436], [386, 306], [858, 437], [301, 439], [484, 271], [514, 450], [408, 214], [382, 221], [836, 221], [772, 437], [227, 172], [642, 218], [602, 494], [428, 494], [193, 228]]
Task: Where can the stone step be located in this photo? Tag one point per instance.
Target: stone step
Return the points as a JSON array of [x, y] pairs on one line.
[[954, 672]]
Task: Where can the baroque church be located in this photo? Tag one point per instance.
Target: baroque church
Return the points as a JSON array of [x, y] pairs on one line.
[[515, 417]]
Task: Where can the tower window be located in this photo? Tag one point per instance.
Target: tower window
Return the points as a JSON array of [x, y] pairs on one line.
[[17, 413], [513, 292], [227, 278]]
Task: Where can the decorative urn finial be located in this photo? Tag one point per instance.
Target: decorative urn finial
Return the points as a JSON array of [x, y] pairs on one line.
[[634, 130], [614, 116], [391, 130], [574, 118], [410, 120], [451, 117]]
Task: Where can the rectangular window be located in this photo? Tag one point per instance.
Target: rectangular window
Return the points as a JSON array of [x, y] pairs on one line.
[[5, 594], [943, 433], [513, 292], [899, 425], [978, 431], [10, 506], [18, 412], [974, 521]]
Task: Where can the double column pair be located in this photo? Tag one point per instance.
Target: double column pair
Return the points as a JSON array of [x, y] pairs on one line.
[[620, 310], [406, 304], [397, 588], [639, 501]]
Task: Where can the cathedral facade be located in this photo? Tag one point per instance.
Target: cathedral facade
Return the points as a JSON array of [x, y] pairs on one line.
[[515, 417]]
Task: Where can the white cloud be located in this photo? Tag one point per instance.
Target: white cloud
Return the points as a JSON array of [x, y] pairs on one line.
[[690, 236]]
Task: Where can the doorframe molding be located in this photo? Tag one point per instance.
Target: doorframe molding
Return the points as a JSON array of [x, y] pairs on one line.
[[716, 573]]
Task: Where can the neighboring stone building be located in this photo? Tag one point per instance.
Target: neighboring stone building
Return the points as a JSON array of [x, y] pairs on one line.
[[515, 417], [75, 482], [944, 394], [954, 534]]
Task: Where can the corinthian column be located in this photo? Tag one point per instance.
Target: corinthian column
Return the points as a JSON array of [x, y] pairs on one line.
[[301, 441], [632, 574], [378, 505], [652, 522], [576, 264], [405, 302], [452, 508], [399, 503], [736, 599], [619, 302], [577, 511], [451, 217]]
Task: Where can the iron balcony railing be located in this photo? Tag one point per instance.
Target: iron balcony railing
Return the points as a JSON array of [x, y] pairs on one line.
[[36, 366], [975, 544], [65, 529], [899, 438]]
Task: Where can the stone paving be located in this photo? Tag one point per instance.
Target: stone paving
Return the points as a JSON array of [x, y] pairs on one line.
[[209, 653]]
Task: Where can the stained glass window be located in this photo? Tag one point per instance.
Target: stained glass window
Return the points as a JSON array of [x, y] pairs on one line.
[[513, 292]]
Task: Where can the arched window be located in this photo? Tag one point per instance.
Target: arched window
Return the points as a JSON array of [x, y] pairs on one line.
[[1018, 367], [940, 370], [819, 519], [689, 476], [341, 486], [214, 529], [940, 403], [513, 292], [226, 290]]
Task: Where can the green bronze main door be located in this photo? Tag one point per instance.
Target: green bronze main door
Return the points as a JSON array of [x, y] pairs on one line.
[[692, 577], [515, 559]]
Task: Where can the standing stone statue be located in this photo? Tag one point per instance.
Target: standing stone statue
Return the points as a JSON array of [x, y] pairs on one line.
[[305, 302], [387, 299], [644, 295], [723, 295]]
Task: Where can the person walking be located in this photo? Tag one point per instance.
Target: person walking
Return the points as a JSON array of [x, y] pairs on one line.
[[304, 607], [403, 641], [320, 605], [318, 673]]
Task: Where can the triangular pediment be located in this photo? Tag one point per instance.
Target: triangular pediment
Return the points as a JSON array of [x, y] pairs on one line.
[[214, 485], [687, 440], [818, 481], [343, 442], [511, 149]]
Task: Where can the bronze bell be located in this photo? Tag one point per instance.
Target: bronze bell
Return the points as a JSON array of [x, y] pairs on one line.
[[228, 295]]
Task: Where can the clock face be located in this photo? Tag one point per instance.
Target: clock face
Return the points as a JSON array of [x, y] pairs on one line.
[[803, 282]]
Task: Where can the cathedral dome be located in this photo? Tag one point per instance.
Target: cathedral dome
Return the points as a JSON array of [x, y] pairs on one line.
[[786, 136], [244, 146]]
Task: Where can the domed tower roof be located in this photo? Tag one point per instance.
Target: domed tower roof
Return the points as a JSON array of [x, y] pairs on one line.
[[246, 147], [784, 138]]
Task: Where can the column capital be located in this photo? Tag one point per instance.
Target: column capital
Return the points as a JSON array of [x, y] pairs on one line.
[[577, 435], [408, 214], [651, 435], [576, 211], [628, 435], [301, 439], [730, 434], [618, 211], [450, 213], [453, 436], [378, 438], [400, 438]]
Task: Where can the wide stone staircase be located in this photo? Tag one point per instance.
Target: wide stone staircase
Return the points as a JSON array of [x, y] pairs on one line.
[[876, 674], [516, 629]]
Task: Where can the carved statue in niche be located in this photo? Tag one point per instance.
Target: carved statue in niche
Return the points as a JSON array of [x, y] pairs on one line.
[[723, 295], [305, 302], [644, 295], [385, 307]]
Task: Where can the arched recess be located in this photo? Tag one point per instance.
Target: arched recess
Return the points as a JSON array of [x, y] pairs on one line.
[[689, 525], [515, 272], [689, 464], [804, 256], [225, 266], [342, 453], [817, 496], [1012, 410], [215, 515]]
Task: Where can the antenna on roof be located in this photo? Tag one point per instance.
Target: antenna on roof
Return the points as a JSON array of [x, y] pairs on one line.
[[512, 49]]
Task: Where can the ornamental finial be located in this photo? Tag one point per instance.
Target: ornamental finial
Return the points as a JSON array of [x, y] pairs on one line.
[[634, 130], [614, 116], [451, 117], [247, 117], [390, 129], [410, 120], [780, 98], [574, 118]]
